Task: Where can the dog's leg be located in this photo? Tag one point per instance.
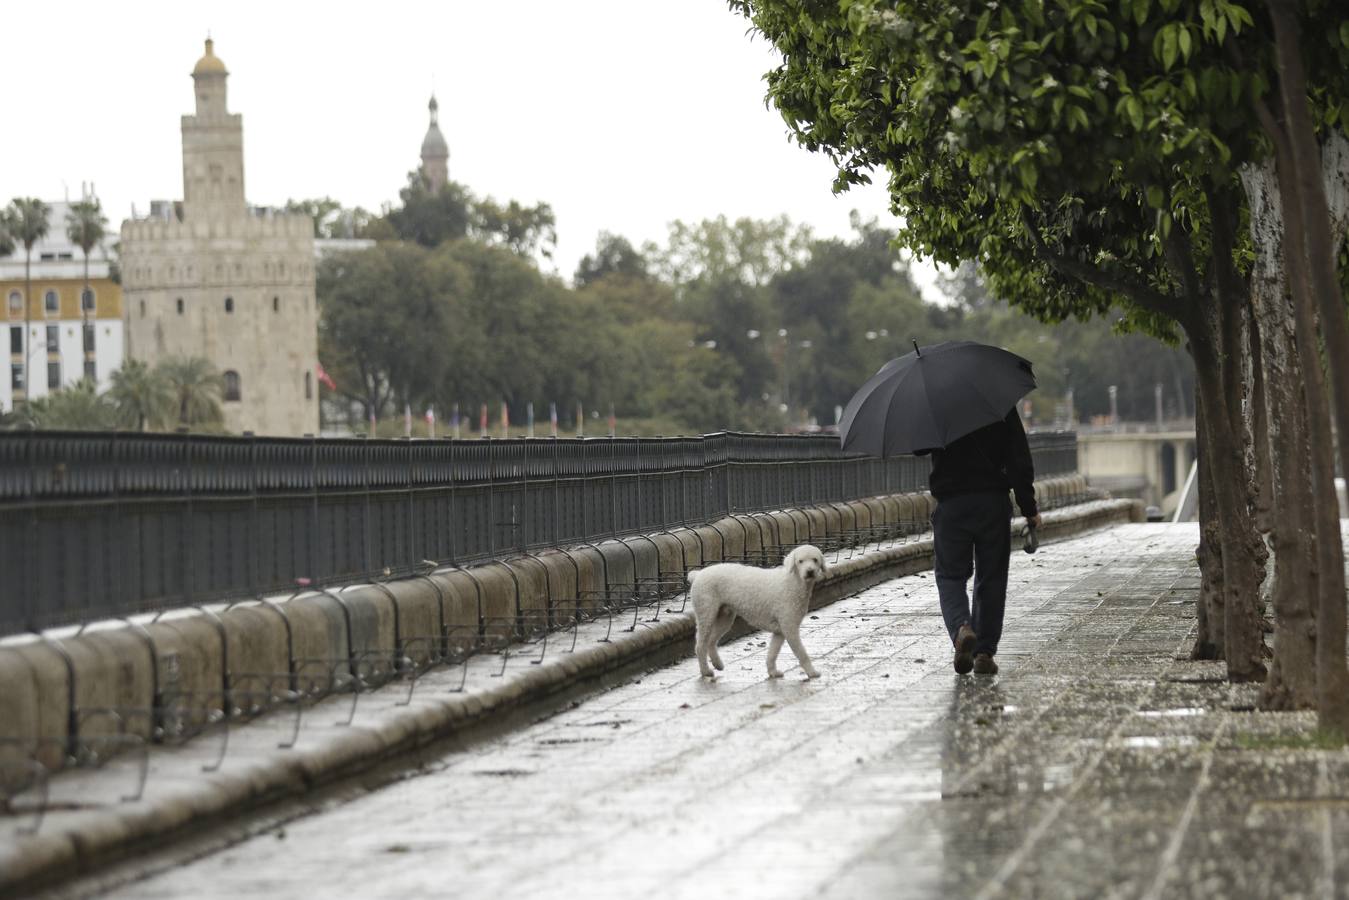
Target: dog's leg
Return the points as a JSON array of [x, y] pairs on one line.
[[774, 645], [722, 624], [705, 625], [793, 635]]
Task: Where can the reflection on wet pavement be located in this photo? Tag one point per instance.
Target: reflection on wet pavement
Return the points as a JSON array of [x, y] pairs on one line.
[[1099, 763]]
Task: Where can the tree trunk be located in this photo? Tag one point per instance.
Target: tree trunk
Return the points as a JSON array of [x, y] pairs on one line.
[[1316, 289], [1210, 639], [1244, 638], [1292, 681], [28, 327]]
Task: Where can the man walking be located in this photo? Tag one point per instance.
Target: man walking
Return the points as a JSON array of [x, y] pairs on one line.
[[971, 534]]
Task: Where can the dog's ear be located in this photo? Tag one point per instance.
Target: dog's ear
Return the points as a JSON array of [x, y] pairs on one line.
[[789, 561]]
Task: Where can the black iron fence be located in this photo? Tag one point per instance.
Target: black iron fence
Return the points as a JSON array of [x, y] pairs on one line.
[[99, 524]]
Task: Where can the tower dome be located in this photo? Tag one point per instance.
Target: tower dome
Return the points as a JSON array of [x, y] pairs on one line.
[[434, 143], [209, 64]]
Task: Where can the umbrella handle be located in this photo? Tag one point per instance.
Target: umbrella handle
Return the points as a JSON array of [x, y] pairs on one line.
[[1032, 542]]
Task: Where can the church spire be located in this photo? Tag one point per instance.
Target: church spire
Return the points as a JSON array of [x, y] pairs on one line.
[[435, 151]]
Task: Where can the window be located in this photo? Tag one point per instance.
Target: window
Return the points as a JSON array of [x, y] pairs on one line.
[[229, 304], [15, 303], [276, 304], [89, 339], [52, 302], [16, 340], [87, 300], [53, 376], [308, 386], [231, 385], [180, 306], [16, 377], [53, 338], [90, 370]]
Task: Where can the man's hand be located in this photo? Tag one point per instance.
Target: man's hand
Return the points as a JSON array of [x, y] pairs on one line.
[[1033, 521]]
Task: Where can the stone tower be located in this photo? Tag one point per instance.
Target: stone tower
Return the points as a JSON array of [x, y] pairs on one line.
[[435, 152], [224, 282]]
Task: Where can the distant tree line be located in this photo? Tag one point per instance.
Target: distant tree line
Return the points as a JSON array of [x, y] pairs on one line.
[[728, 324]]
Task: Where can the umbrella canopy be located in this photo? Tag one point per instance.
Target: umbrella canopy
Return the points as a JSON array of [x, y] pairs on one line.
[[926, 399]]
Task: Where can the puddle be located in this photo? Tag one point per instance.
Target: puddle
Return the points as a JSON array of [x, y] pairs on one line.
[[1157, 743]]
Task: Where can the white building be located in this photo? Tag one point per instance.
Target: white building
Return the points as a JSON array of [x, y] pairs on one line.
[[73, 332]]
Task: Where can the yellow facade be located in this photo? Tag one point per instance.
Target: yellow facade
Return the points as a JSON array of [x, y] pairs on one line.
[[107, 298]]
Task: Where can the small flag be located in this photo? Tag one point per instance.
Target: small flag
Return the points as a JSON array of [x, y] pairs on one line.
[[552, 417], [529, 414], [324, 378], [431, 421], [482, 421]]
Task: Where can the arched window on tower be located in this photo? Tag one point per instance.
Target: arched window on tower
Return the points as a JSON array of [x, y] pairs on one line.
[[180, 306], [231, 385], [308, 386], [229, 304]]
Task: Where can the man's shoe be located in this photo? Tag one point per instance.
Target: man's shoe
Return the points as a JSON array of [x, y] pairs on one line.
[[984, 665], [965, 641]]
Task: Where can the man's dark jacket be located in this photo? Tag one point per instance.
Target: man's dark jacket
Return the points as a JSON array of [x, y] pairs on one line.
[[994, 458]]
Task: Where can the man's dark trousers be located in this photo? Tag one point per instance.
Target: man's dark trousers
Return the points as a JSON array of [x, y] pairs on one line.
[[972, 535]]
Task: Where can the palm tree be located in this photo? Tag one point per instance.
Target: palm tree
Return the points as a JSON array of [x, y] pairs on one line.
[[143, 397], [28, 224], [196, 387], [6, 239], [77, 408], [85, 226]]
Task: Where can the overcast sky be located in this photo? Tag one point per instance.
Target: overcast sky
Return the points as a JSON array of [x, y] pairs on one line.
[[622, 114]]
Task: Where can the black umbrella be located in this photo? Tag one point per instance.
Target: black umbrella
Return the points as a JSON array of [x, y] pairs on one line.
[[926, 399]]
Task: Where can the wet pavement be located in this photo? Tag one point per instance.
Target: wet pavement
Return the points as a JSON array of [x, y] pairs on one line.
[[1099, 763]]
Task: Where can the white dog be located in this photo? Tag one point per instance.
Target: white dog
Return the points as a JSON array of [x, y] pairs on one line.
[[772, 600]]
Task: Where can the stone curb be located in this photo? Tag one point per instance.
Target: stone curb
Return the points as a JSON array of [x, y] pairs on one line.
[[55, 853]]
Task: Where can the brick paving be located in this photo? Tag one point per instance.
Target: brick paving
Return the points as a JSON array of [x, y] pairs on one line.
[[1099, 763]]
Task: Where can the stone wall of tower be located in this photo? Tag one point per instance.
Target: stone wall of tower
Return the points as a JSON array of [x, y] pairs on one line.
[[240, 293]]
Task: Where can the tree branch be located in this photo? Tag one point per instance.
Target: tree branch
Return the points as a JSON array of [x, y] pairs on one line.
[[1136, 291]]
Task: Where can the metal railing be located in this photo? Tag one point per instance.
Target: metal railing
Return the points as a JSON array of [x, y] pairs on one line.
[[107, 524]]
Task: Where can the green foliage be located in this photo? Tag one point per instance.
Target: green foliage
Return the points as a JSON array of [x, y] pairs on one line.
[[27, 221], [614, 255], [431, 218], [331, 219], [143, 398], [196, 388], [1073, 148], [86, 225], [76, 408]]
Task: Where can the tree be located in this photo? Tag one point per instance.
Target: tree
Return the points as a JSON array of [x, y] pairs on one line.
[[77, 408], [750, 251], [1041, 146], [1102, 144], [525, 230], [331, 219], [85, 226], [614, 255], [431, 217], [143, 398], [27, 218], [196, 387], [385, 329]]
